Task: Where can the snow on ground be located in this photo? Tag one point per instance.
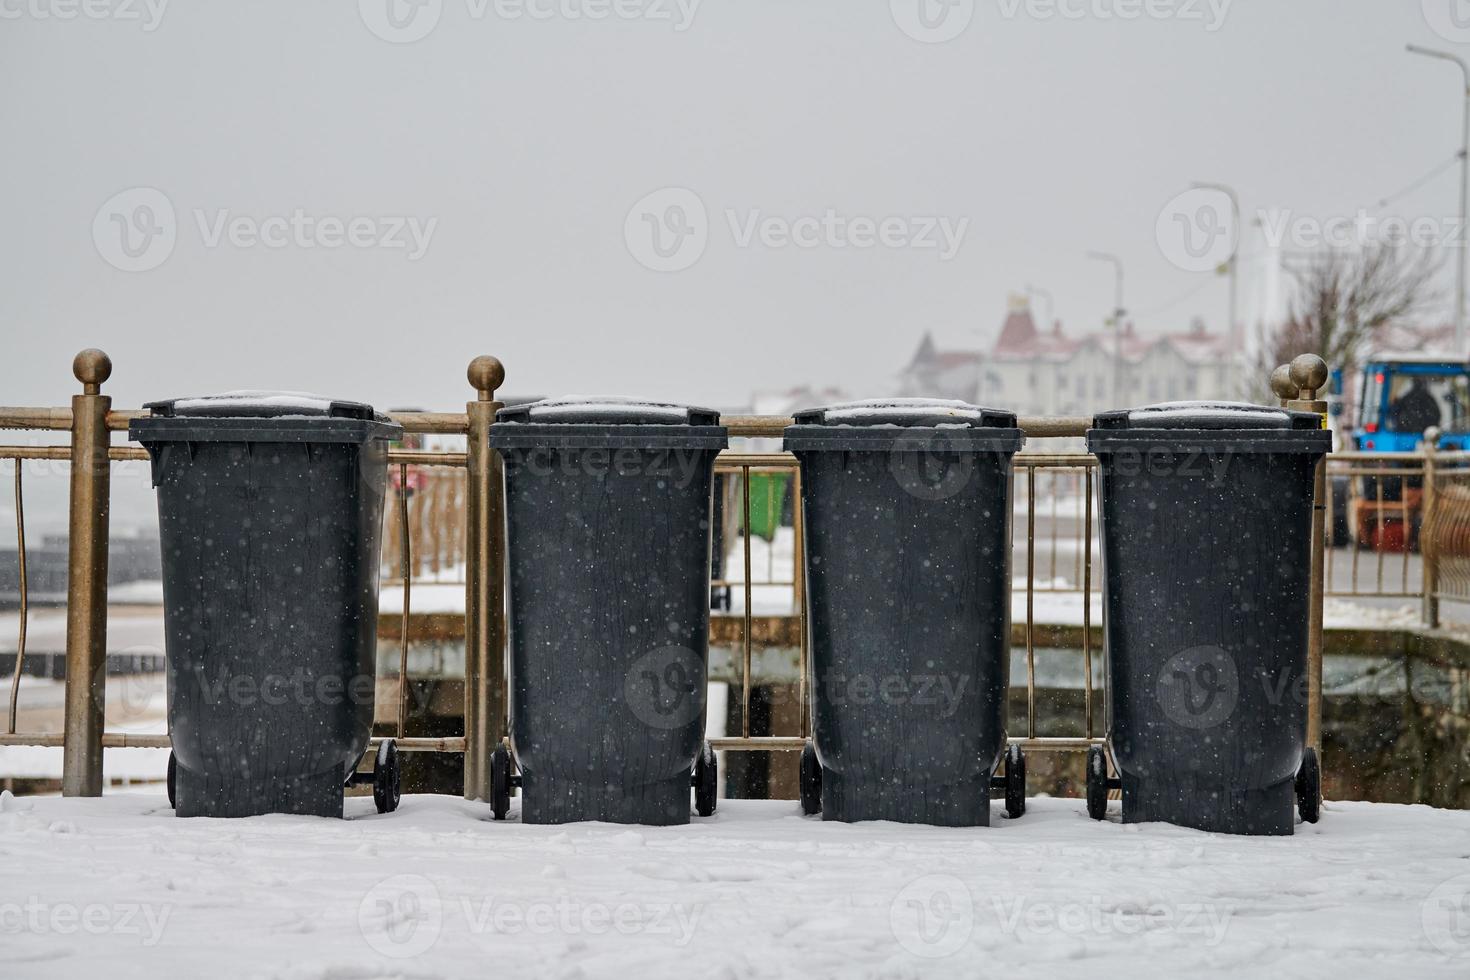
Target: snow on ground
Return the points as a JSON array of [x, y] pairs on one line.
[[119, 887]]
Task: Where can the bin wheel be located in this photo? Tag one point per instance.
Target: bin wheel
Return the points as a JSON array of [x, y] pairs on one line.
[[811, 780], [1097, 782], [706, 781], [1309, 787], [173, 780], [386, 782], [1015, 782], [500, 772]]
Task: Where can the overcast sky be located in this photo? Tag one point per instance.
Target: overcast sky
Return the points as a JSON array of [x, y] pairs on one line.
[[518, 147]]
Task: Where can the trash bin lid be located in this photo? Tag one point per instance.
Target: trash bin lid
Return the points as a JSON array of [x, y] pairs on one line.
[[573, 410], [884, 424], [261, 416], [1206, 415], [606, 422], [928, 412], [1238, 426]]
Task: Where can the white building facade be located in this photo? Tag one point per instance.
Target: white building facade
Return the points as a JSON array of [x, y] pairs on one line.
[[1035, 372]]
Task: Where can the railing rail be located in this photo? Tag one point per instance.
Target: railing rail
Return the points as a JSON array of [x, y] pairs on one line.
[[89, 423], [90, 420]]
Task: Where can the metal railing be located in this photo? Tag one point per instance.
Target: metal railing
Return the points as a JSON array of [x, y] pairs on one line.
[[1378, 502], [1399, 527], [91, 420], [1060, 469], [1029, 463], [743, 465], [1063, 493]]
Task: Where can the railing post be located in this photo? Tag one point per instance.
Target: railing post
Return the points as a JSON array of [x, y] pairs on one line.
[[1428, 542], [1308, 373], [484, 622], [86, 589]]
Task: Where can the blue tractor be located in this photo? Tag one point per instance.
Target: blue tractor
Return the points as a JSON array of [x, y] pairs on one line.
[[1400, 397]]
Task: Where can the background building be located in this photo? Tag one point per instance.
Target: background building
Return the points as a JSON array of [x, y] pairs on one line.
[[1048, 372]]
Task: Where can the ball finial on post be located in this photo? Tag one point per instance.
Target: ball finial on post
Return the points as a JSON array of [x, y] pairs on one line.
[[91, 367], [486, 374], [1309, 372], [1281, 383]]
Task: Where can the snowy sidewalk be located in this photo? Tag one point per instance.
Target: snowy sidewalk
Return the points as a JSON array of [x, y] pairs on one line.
[[118, 887]]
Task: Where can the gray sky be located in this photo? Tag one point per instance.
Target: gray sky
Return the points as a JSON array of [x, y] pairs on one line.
[[528, 141]]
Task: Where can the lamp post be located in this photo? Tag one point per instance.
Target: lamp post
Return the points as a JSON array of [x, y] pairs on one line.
[[1046, 295], [1118, 311], [1464, 179], [1232, 380]]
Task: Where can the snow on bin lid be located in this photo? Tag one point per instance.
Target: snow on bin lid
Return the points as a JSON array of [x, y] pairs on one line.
[[261, 405], [908, 412], [1206, 415], [579, 410]]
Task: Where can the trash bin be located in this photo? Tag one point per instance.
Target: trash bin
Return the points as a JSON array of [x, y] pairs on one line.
[[907, 507], [270, 511], [608, 540], [1206, 514]]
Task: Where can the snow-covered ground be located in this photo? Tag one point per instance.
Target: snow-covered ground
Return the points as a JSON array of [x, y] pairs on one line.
[[119, 887]]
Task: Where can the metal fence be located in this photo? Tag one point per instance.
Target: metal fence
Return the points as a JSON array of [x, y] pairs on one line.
[[1060, 470], [1399, 528], [90, 422], [1061, 487]]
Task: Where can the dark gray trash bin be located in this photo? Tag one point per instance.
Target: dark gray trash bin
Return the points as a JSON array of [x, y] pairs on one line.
[[1206, 514], [270, 512], [608, 527], [907, 507]]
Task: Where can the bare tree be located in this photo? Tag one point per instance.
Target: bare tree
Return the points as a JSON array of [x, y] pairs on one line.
[[1345, 298]]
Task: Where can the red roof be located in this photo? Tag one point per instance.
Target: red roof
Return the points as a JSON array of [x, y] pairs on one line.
[[1020, 340], [1018, 334]]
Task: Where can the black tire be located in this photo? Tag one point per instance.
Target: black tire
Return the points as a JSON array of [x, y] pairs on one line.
[[173, 780], [1015, 782], [811, 780], [706, 781], [500, 772], [1309, 787], [387, 780], [1097, 782]]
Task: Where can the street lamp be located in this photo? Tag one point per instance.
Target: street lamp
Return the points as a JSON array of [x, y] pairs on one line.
[[1118, 312], [1046, 295], [1464, 179], [1235, 352]]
